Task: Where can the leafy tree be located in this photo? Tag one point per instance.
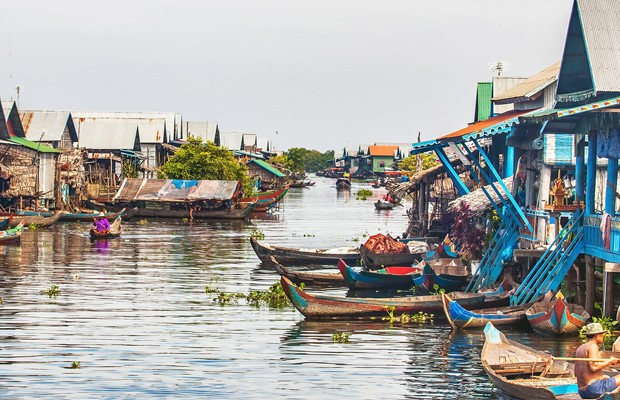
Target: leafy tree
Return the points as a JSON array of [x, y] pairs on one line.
[[309, 160], [281, 162], [410, 163], [197, 160]]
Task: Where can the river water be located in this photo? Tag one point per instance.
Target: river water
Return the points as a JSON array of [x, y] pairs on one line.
[[134, 313]]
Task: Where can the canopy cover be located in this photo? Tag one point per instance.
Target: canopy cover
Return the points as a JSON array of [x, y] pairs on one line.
[[175, 190]]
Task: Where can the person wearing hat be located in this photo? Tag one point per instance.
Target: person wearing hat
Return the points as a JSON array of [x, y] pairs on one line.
[[101, 223], [590, 379]]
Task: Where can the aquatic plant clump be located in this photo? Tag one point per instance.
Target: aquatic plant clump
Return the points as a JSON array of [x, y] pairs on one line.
[[52, 291], [273, 297], [341, 337], [405, 318], [363, 194], [257, 234]]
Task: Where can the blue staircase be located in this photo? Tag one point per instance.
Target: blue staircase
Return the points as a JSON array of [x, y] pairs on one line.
[[499, 249], [555, 262]]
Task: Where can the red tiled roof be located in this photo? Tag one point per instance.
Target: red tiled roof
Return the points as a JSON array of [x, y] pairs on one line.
[[382, 150], [479, 126]]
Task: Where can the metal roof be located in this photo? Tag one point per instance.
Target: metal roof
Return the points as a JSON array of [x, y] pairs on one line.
[[499, 124], [108, 134], [152, 130], [174, 126], [382, 151], [249, 139], [529, 88], [500, 85], [205, 130], [262, 144], [11, 114], [232, 140], [484, 91], [268, 167], [175, 190], [53, 123], [4, 132]]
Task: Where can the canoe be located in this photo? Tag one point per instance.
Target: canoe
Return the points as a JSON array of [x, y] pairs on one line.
[[383, 205], [375, 260], [266, 200], [40, 222], [557, 317], [301, 184], [300, 255], [241, 211], [11, 235], [386, 278], [343, 183], [115, 231], [460, 318], [84, 215], [309, 278], [330, 307], [5, 222]]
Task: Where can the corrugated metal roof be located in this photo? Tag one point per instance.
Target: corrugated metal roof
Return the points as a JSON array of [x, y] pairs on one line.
[[53, 123], [40, 147], [268, 167], [489, 127], [262, 144], [484, 92], [232, 140], [500, 85], [205, 130], [174, 126], [548, 115], [152, 130], [4, 132], [13, 122], [531, 87], [108, 134], [385, 151], [175, 190], [249, 139]]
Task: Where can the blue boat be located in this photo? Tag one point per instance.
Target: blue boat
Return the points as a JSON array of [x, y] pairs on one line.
[[396, 277]]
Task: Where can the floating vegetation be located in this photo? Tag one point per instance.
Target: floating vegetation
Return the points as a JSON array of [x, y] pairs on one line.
[[142, 222], [273, 297], [224, 298], [1, 301], [341, 337], [186, 220], [212, 289], [76, 277], [257, 234], [363, 194], [405, 318], [75, 365], [32, 227], [356, 239], [309, 235], [436, 290], [52, 291]]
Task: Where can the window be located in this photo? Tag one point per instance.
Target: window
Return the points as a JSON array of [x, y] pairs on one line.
[[382, 164]]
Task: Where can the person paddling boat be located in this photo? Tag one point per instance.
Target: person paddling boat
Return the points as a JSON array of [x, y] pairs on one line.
[[590, 379], [101, 223]]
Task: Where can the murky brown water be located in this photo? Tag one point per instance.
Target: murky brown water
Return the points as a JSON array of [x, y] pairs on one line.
[[133, 311]]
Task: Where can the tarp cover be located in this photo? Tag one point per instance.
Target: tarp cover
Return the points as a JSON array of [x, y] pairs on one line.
[[175, 190], [609, 143], [381, 244]]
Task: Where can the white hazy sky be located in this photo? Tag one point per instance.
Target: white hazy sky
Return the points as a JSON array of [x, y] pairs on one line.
[[324, 74]]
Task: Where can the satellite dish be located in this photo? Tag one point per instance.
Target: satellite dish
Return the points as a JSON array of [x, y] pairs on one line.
[[500, 66]]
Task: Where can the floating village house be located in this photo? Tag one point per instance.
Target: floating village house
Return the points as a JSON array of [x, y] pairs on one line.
[[27, 168], [207, 131], [382, 158], [266, 175]]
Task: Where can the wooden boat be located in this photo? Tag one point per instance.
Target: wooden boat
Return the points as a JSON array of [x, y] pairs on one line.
[[239, 211], [458, 317], [374, 260], [12, 235], [300, 255], [265, 200], [383, 205], [5, 222], [301, 184], [343, 183], [308, 277], [38, 221], [386, 278], [557, 317], [83, 215], [115, 231], [329, 307]]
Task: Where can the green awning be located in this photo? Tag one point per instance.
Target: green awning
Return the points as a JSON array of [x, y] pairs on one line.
[[268, 167], [37, 146]]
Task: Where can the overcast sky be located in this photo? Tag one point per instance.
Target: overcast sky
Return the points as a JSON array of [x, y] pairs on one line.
[[324, 74]]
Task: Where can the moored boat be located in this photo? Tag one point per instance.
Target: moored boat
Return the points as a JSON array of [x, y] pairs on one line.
[[5, 222], [38, 221], [343, 183], [557, 317], [265, 200], [83, 215], [386, 278], [374, 260], [329, 307], [301, 184], [524, 373], [309, 277], [115, 231], [300, 255], [12, 235], [238, 211], [458, 317]]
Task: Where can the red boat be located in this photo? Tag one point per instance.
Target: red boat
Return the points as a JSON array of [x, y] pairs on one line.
[[266, 200]]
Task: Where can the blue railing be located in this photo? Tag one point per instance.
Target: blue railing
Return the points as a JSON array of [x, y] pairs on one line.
[[555, 262], [594, 238], [492, 262]]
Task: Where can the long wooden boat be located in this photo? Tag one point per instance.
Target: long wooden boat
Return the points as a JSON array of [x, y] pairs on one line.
[[374, 260], [84, 215], [525, 373], [115, 231], [329, 307], [240, 211], [40, 222], [12, 235], [460, 318], [343, 183], [386, 278], [5, 222], [301, 184], [265, 200], [300, 255], [557, 317], [383, 205], [309, 278]]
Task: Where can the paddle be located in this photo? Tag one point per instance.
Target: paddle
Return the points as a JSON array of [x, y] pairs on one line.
[[581, 359]]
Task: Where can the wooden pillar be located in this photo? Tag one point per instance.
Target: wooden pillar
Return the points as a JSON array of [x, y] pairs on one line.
[[610, 188], [543, 197], [590, 285], [591, 173], [422, 206], [608, 284]]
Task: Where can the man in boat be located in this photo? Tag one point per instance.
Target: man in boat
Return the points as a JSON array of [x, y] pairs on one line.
[[590, 379], [101, 223]]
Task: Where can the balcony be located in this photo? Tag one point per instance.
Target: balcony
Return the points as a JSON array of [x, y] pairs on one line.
[[594, 243]]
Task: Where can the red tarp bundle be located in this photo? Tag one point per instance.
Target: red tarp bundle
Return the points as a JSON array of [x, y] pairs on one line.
[[381, 244]]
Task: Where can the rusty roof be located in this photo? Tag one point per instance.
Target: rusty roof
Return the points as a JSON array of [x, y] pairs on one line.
[[488, 126], [529, 88], [386, 151]]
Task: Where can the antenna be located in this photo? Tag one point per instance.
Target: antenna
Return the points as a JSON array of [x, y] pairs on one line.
[[275, 145], [17, 90], [500, 66]]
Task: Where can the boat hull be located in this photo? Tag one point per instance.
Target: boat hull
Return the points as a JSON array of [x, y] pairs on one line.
[[309, 278], [557, 317], [374, 260], [243, 212], [460, 318], [265, 201], [382, 205], [375, 280], [290, 255], [40, 222]]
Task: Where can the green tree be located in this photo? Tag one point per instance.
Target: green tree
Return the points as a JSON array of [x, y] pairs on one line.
[[197, 160], [410, 163], [281, 162], [309, 160]]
